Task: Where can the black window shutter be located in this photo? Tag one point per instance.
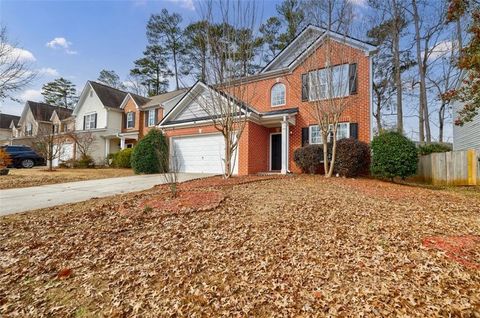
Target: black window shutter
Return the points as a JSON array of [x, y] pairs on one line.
[[354, 130], [305, 87], [95, 125], [352, 74], [84, 122], [124, 120], [305, 136]]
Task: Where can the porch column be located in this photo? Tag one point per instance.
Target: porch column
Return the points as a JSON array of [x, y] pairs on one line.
[[122, 143], [107, 147], [285, 136]]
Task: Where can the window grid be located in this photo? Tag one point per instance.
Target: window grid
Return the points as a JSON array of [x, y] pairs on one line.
[[130, 122], [90, 121], [151, 117], [319, 80], [343, 131], [278, 95]]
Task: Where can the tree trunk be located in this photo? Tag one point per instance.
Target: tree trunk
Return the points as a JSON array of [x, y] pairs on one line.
[[325, 154], [398, 82], [441, 121], [175, 66], [228, 156], [334, 153]]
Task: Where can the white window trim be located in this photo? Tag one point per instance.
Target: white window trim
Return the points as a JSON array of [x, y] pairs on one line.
[[347, 81], [151, 113], [90, 121], [284, 95], [130, 120], [310, 128]]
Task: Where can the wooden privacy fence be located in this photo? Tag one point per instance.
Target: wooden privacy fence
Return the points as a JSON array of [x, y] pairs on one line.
[[450, 168]]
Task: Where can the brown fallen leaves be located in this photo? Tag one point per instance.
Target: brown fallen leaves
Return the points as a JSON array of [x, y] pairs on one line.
[[301, 246], [464, 249]]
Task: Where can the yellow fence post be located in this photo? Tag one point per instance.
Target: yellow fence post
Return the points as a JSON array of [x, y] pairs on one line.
[[472, 167]]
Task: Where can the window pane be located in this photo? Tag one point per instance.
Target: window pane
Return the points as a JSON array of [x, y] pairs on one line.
[[278, 95], [151, 117], [315, 135]]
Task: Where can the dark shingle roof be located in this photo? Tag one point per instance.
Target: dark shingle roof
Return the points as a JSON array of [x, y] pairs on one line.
[[140, 100], [6, 120], [43, 112], [109, 96]]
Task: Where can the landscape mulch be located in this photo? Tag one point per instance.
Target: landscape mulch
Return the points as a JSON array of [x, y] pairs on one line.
[[285, 247]]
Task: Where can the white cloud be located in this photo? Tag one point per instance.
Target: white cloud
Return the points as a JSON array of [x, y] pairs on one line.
[[62, 43], [48, 71], [31, 94], [442, 48], [360, 3], [21, 54], [187, 4]]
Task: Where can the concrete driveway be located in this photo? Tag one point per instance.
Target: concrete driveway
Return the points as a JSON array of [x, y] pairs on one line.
[[25, 199]]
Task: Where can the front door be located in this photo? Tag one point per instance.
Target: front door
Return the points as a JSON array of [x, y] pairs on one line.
[[276, 152]]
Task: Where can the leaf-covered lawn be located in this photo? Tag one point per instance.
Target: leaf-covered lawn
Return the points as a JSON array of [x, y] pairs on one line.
[[21, 178], [299, 246]]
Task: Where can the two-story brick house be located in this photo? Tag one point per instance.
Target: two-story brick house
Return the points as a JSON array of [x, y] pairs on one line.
[[279, 104]]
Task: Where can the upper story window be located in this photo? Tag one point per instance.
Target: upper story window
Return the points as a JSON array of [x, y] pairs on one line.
[[130, 120], [331, 82], [151, 118], [90, 121], [277, 97], [343, 131], [56, 128], [28, 129]]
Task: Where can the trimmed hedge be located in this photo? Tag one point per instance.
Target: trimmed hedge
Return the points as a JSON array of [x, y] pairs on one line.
[[393, 155], [309, 158], [352, 158], [150, 155], [122, 159], [433, 147]]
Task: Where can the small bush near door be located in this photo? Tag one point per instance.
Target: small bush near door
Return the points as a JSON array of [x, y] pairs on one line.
[[393, 155], [309, 158], [352, 158], [122, 159], [150, 155]]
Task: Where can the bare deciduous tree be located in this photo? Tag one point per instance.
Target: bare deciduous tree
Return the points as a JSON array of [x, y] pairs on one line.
[[225, 103], [15, 72], [83, 142], [49, 145]]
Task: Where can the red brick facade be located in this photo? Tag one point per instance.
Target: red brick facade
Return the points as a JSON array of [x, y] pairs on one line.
[[254, 147]]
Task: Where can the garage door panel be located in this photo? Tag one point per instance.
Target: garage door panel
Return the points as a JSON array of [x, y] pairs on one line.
[[204, 154]]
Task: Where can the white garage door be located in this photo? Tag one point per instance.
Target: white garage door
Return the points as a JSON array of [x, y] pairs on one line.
[[201, 154]]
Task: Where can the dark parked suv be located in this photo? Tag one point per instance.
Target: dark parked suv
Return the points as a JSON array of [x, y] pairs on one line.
[[23, 156]]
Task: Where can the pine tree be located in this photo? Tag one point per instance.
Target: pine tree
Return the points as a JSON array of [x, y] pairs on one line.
[[270, 31], [196, 50], [110, 78], [152, 70], [164, 30], [61, 92]]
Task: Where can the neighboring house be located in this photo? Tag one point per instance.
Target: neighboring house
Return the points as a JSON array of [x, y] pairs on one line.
[[140, 114], [7, 122], [116, 118], [466, 136], [40, 118], [280, 119]]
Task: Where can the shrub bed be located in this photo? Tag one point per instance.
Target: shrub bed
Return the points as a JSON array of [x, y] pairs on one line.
[[352, 158], [150, 155], [122, 159], [393, 155], [432, 148]]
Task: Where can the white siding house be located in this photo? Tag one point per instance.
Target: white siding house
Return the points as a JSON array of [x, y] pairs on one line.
[[103, 121], [468, 135]]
